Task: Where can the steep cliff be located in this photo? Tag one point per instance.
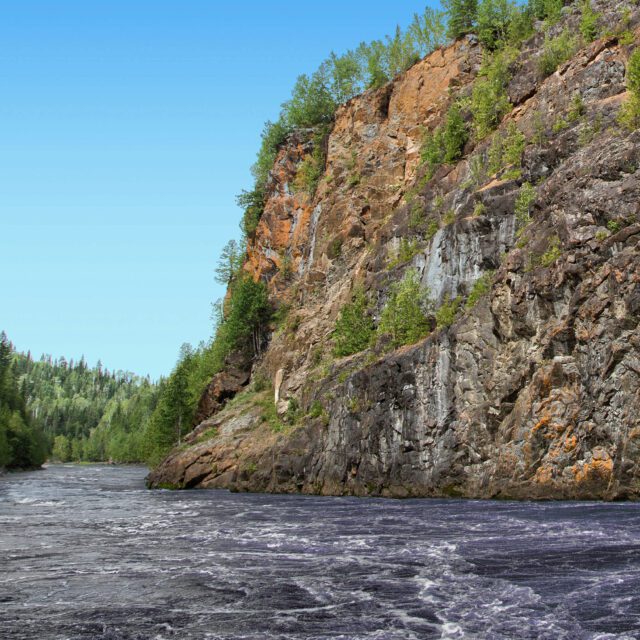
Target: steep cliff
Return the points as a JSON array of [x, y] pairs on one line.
[[534, 389]]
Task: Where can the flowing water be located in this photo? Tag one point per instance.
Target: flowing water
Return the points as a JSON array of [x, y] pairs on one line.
[[87, 552]]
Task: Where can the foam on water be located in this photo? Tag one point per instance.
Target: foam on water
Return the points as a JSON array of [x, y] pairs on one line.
[[87, 552]]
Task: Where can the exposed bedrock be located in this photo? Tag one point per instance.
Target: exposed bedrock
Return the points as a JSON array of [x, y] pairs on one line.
[[533, 392]]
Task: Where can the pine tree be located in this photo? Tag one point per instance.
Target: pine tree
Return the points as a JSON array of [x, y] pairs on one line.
[[461, 16], [229, 263]]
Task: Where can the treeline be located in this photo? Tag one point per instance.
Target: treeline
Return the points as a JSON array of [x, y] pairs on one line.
[[23, 444], [74, 412], [315, 98]]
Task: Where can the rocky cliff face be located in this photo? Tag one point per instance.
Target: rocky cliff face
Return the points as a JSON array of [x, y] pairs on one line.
[[535, 390]]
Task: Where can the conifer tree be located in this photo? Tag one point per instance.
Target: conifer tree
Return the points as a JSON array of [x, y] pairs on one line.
[[461, 16]]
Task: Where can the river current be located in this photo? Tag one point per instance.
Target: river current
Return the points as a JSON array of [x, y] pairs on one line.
[[88, 552]]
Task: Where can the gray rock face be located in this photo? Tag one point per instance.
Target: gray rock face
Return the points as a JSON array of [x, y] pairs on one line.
[[534, 392]]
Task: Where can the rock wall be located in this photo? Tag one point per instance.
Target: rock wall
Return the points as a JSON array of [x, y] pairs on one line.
[[532, 393]]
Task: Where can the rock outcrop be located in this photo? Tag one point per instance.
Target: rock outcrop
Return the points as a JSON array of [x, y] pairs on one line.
[[533, 392]]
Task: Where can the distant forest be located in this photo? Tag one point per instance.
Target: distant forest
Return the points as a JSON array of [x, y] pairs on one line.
[[69, 411]]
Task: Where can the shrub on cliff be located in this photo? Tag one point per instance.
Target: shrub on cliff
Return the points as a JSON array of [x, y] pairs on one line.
[[446, 143], [489, 99], [354, 326], [404, 317], [556, 51], [630, 113], [549, 10], [588, 21]]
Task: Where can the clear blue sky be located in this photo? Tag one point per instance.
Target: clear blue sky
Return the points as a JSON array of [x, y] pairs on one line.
[[127, 127]]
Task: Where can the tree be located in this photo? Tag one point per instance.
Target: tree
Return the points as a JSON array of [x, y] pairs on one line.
[[229, 262], [354, 326], [372, 60], [311, 102], [428, 30], [588, 21], [347, 76], [399, 53], [461, 17], [404, 317], [494, 20]]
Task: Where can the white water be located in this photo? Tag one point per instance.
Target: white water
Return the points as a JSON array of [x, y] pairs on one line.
[[87, 552]]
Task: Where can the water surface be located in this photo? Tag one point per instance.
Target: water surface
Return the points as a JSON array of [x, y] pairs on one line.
[[87, 552]]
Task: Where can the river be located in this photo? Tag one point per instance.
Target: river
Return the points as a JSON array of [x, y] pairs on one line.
[[88, 552]]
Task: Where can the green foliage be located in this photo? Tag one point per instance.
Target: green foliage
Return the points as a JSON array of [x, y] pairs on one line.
[[428, 30], [629, 116], [461, 17], [480, 288], [588, 21], [577, 108], [448, 311], [61, 449], [252, 202], [524, 201], [494, 21], [241, 329], [316, 410], [293, 414], [432, 228], [633, 73], [446, 143], [229, 263], [269, 414], [548, 10], [479, 209], [552, 253], [449, 217], [407, 249], [347, 76], [506, 151], [404, 316], [556, 51], [400, 53], [354, 326], [489, 100], [311, 102], [79, 411], [416, 215], [311, 170], [614, 226]]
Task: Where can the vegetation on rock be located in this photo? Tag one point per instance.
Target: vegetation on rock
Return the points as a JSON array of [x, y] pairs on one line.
[[404, 317], [354, 326]]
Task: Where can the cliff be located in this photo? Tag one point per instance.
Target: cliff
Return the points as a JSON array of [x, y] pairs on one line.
[[531, 392]]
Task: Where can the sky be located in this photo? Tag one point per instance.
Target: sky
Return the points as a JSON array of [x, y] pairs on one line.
[[127, 127]]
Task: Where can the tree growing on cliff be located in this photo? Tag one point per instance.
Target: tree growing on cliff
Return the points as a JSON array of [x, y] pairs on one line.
[[494, 22], [446, 143], [461, 17], [630, 113], [354, 326], [428, 30], [229, 263], [311, 101], [404, 317]]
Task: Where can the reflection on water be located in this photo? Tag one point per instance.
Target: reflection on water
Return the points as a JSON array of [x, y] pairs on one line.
[[87, 552]]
